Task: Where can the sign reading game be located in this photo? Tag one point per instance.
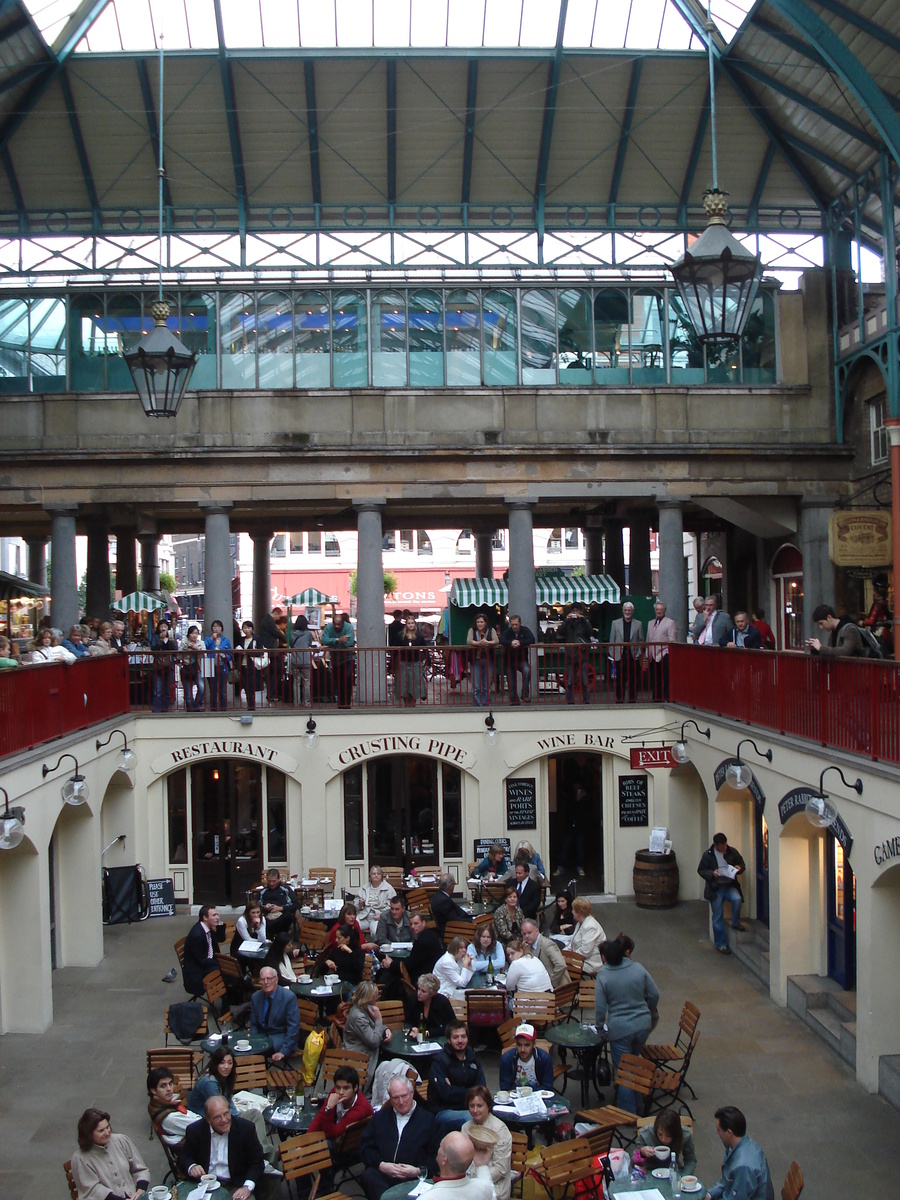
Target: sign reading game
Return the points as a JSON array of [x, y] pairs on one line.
[[634, 803], [521, 804]]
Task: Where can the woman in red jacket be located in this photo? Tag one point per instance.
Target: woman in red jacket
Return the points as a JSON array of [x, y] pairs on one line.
[[344, 1106]]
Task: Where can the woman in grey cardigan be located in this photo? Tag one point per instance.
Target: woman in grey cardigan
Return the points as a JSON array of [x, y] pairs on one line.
[[626, 999], [364, 1030]]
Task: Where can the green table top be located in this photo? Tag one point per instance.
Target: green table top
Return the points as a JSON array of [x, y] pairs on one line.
[[259, 1043], [186, 1186], [557, 1108], [480, 980], [401, 1047], [298, 1121], [637, 1190], [574, 1037], [400, 1190], [306, 990], [396, 955]]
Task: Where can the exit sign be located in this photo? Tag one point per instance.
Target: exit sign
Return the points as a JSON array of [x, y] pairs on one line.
[[648, 758]]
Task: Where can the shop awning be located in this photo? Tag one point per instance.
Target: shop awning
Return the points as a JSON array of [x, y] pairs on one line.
[[13, 587], [466, 592], [136, 602], [312, 595], [585, 589]]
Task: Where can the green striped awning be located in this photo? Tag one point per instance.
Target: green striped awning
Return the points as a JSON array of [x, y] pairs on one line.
[[586, 589], [136, 602], [466, 592]]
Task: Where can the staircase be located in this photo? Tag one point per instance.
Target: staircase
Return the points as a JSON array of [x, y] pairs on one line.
[[828, 1010], [752, 949]]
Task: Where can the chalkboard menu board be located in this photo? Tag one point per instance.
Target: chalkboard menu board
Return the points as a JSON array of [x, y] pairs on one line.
[[482, 845], [521, 804], [633, 801], [162, 897]]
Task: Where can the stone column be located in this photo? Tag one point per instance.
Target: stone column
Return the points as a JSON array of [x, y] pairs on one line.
[[521, 563], [64, 580], [672, 577], [126, 560], [262, 578], [818, 571], [484, 555], [370, 628], [96, 602], [615, 554], [640, 578], [149, 561], [37, 566], [217, 604], [593, 551]]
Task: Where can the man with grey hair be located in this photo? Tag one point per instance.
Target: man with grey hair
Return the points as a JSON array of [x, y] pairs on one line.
[[625, 636], [661, 633], [372, 900], [547, 952], [224, 1146], [398, 1141], [444, 908], [455, 1156], [274, 1013]]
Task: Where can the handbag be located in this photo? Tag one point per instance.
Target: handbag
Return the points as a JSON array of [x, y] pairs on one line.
[[209, 668], [261, 661]]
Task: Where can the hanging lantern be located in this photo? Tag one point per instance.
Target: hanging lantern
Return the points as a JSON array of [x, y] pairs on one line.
[[717, 279], [161, 367]]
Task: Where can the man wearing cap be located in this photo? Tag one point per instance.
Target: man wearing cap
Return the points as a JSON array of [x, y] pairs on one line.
[[526, 1065]]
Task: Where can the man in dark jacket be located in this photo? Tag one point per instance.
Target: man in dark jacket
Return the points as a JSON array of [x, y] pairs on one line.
[[844, 640], [279, 904], [576, 633], [744, 636], [200, 948], [399, 1139], [529, 889], [427, 948], [444, 908], [453, 1072], [526, 1063], [720, 867], [225, 1146], [516, 640]]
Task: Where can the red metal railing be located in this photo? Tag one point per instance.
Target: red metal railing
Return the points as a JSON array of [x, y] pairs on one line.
[[38, 704], [846, 704]]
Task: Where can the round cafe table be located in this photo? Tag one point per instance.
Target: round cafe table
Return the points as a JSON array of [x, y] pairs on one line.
[[299, 1120], [624, 1186], [186, 1186], [586, 1045], [305, 990], [399, 1191], [557, 1110], [259, 1043], [401, 1047]]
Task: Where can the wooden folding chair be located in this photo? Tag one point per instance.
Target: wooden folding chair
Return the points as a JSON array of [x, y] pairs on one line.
[[250, 1073], [667, 1085], [392, 1015], [217, 995], [313, 936], [458, 1004], [486, 1009], [460, 929], [325, 878], [418, 900], [306, 1156], [482, 919], [332, 1059], [537, 1008], [587, 996], [200, 1032], [345, 1151], [182, 1061], [667, 1054], [408, 986], [518, 1164], [394, 876], [171, 1153], [565, 1164], [70, 1180], [793, 1184], [179, 954], [565, 997], [574, 964], [309, 1015]]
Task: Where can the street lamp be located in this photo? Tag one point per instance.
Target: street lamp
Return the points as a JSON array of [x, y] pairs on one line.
[[12, 825], [819, 810], [681, 751], [737, 774], [75, 790]]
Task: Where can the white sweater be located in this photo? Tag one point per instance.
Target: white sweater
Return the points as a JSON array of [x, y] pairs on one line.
[[528, 974]]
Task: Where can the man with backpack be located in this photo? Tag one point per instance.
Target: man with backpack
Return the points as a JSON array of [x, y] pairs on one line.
[[845, 639]]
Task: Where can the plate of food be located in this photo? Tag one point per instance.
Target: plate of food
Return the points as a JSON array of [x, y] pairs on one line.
[[545, 1094], [660, 1173]]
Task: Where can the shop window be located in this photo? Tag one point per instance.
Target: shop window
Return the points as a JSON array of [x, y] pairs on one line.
[[465, 543], [176, 787], [237, 340], [332, 546], [574, 334], [452, 787], [274, 340], [879, 435], [277, 550], [572, 539], [539, 338], [314, 543], [498, 539], [276, 816], [353, 813], [423, 542], [197, 330], [296, 543], [426, 340], [389, 339], [611, 320], [646, 338], [406, 541], [389, 541], [554, 542]]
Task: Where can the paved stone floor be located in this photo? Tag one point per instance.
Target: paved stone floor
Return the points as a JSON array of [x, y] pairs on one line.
[[801, 1101]]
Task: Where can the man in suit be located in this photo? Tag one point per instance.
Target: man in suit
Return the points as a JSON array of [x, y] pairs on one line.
[[398, 1140], [454, 1158], [224, 1146], [444, 908], [546, 951], [529, 889], [427, 948], [744, 636], [661, 633], [625, 635], [200, 949], [716, 624], [273, 1012]]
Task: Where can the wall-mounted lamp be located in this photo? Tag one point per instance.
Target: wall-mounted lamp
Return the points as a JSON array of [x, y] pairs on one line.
[[819, 809], [681, 751], [75, 789], [490, 730], [738, 775], [12, 825], [127, 759], [311, 736]]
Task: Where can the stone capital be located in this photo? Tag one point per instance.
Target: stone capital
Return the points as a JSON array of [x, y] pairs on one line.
[[215, 508], [369, 505], [61, 510]]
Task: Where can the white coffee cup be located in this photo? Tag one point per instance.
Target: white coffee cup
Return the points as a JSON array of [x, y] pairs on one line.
[[662, 1153], [210, 1180], [503, 1097], [525, 1091], [160, 1192]]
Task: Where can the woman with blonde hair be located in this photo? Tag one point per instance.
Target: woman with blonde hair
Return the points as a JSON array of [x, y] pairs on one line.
[[364, 1030], [526, 973], [588, 935], [426, 1009]]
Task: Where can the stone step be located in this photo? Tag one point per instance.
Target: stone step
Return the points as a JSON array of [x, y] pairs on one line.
[[843, 1005], [889, 1078], [826, 1025]]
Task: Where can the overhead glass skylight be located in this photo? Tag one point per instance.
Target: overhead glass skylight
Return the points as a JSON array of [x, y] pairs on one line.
[[137, 25]]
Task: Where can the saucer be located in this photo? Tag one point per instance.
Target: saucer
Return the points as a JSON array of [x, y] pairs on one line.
[[660, 1173], [698, 1187]]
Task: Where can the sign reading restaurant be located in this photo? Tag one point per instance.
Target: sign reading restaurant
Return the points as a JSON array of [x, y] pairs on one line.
[[225, 748]]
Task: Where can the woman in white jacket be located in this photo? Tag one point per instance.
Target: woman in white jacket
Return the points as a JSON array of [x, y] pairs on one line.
[[454, 969], [526, 973], [588, 935]]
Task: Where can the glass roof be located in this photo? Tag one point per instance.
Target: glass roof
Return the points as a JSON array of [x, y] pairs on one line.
[[136, 25]]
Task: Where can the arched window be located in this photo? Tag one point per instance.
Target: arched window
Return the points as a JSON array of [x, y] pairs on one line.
[[646, 340], [349, 339], [575, 348], [274, 340], [498, 332], [463, 339], [197, 330], [423, 542], [312, 339], [610, 335], [539, 338], [237, 340], [389, 339], [554, 542], [426, 339]]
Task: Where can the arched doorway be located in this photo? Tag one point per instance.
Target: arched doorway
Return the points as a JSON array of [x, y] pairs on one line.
[[840, 913], [575, 783], [403, 810], [787, 582]]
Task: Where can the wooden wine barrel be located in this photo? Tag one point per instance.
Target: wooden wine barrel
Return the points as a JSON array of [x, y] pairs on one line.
[[655, 880]]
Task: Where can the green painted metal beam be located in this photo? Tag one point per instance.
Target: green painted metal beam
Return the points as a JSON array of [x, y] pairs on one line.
[[543, 165], [848, 67], [150, 111], [231, 117], [634, 84], [80, 148], [312, 130], [13, 181], [690, 174], [391, 98], [469, 134], [852, 17], [765, 168]]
